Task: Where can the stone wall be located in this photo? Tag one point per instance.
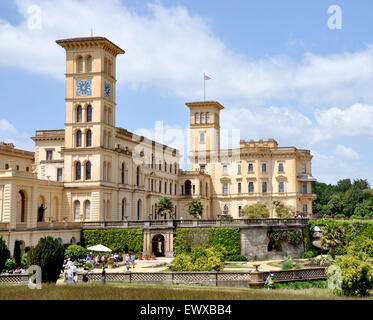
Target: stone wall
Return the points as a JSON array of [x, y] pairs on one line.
[[254, 244]]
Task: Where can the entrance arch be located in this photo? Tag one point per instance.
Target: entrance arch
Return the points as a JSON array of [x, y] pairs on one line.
[[158, 245], [22, 206]]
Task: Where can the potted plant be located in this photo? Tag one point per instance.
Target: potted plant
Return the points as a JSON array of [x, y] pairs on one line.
[[139, 256], [110, 264], [153, 257], [146, 257]]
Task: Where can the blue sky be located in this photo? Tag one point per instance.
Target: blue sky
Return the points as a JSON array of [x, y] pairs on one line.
[[275, 65]]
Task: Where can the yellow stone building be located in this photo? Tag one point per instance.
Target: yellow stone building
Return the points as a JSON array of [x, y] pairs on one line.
[[94, 171]]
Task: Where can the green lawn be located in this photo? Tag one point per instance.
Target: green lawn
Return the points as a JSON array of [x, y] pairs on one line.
[[120, 291]]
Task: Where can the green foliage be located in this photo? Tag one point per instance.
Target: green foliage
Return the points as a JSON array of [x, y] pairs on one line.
[[256, 210], [10, 265], [4, 253], [307, 237], [309, 254], [345, 199], [302, 284], [288, 263], [75, 252], [357, 275], [48, 254], [116, 240], [293, 237], [237, 257], [187, 238], [333, 236], [110, 261], [17, 252], [195, 208], [24, 260], [88, 265], [165, 206], [282, 210], [200, 259], [361, 244]]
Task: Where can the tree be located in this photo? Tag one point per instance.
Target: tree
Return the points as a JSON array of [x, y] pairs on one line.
[[4, 253], [17, 252], [364, 209], [165, 206], [335, 204], [256, 210], [75, 252], [362, 184], [283, 211], [343, 185], [195, 208], [352, 197], [48, 254], [333, 235]]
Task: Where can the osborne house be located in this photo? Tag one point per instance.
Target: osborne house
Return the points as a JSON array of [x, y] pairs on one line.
[[93, 171]]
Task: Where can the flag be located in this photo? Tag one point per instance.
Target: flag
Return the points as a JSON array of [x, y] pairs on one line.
[[206, 77]]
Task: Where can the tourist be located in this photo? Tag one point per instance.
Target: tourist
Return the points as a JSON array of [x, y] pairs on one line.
[[69, 262], [92, 256], [103, 275], [97, 260], [181, 220], [270, 281], [133, 257], [128, 260], [88, 258], [70, 276], [73, 269], [116, 257]]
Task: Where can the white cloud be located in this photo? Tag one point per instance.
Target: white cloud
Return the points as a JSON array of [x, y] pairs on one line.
[[346, 152], [9, 134], [169, 49]]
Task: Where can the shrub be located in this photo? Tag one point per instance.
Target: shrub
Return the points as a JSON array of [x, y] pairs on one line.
[[339, 251], [88, 265], [187, 238], [75, 252], [4, 253], [10, 265], [287, 264], [309, 254], [48, 254], [340, 216], [110, 262], [117, 240], [293, 237], [237, 257], [361, 244], [256, 210], [182, 262], [17, 252], [357, 275], [24, 260], [302, 284]]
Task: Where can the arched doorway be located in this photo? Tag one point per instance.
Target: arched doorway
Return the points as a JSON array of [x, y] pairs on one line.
[[188, 188], [158, 245], [22, 206]]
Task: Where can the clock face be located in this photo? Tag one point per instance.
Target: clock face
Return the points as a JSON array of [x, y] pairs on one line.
[[83, 87], [107, 89]]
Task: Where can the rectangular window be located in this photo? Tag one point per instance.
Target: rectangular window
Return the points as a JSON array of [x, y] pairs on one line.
[[225, 188], [281, 186], [305, 208], [225, 169], [264, 167], [264, 186], [239, 168], [304, 168], [202, 137], [49, 154], [280, 167], [239, 187], [250, 167], [202, 168], [59, 174], [251, 187], [239, 211], [304, 187]]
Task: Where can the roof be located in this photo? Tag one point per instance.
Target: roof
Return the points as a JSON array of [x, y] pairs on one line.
[[198, 104], [64, 42]]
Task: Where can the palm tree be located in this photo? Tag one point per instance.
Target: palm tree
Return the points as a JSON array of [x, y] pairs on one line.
[[165, 206], [333, 236], [195, 208]]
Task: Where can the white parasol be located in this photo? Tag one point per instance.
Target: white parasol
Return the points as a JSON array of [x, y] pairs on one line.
[[99, 248]]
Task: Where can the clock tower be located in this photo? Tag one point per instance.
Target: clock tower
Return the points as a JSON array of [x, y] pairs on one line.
[[90, 105]]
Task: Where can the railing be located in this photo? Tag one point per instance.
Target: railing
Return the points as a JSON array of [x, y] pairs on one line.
[[231, 279], [195, 223], [14, 278]]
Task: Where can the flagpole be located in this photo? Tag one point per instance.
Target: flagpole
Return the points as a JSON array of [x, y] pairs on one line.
[[204, 87]]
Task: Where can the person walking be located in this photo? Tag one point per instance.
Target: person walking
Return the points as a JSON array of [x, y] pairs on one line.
[[270, 281], [103, 275], [128, 260]]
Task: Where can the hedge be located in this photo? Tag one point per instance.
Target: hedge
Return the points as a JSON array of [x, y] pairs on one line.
[[116, 240], [228, 237]]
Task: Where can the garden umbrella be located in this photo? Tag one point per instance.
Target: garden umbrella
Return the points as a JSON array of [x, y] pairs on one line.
[[99, 248]]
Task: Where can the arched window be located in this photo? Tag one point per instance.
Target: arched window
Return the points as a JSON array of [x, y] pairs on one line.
[[196, 118], [207, 117], [138, 209], [202, 117], [225, 209], [76, 209], [79, 138], [170, 167], [88, 171], [89, 138], [79, 114], [138, 176], [165, 166], [89, 64], [78, 171], [87, 209], [89, 113], [123, 173], [80, 64]]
